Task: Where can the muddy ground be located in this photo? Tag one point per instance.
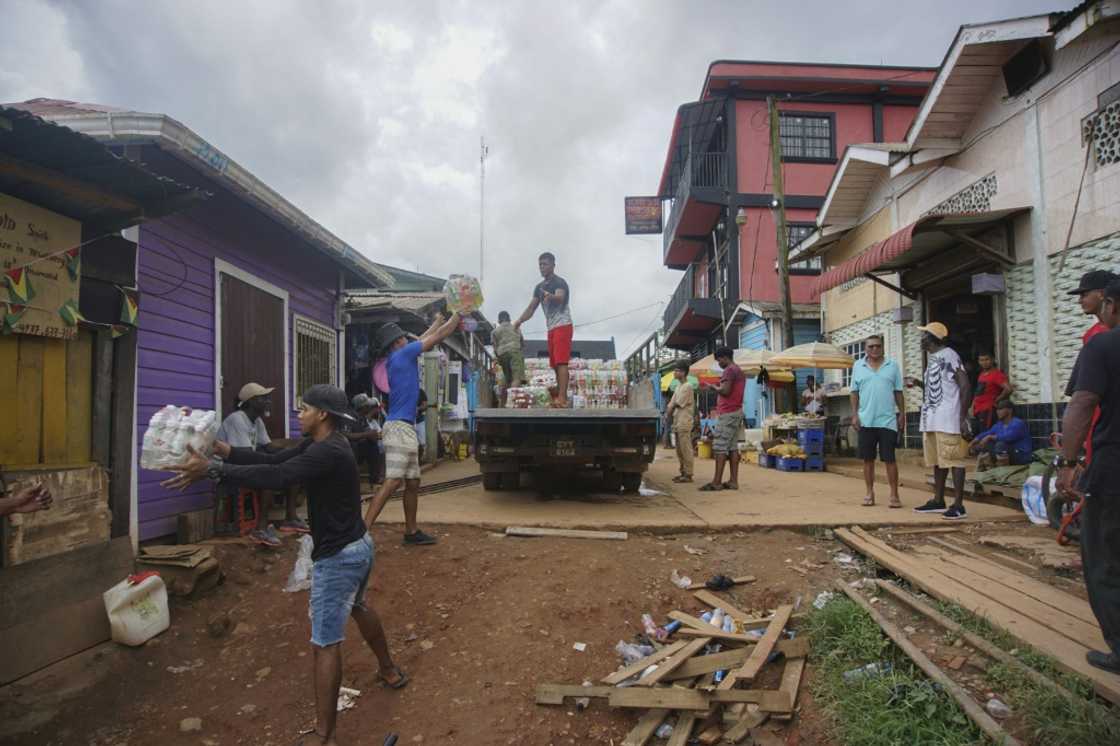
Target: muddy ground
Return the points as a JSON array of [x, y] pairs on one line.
[[477, 622]]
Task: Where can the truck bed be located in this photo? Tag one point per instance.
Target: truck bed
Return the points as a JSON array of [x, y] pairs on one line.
[[520, 415]]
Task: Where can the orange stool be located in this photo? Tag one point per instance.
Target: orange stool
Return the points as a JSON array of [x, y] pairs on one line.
[[245, 524]]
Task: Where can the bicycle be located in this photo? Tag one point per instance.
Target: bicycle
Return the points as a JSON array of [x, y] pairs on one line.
[[1063, 508]]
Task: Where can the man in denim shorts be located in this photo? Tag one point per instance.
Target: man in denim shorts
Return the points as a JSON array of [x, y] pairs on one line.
[[343, 553], [729, 421], [402, 446]]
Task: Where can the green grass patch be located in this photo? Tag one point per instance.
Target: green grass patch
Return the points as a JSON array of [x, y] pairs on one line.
[[902, 707], [1053, 719]]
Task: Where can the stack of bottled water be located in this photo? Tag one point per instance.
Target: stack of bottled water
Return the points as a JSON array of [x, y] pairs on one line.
[[171, 430]]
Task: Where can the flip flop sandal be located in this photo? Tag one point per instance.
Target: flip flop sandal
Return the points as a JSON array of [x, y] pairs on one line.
[[894, 504], [729, 486], [709, 487], [682, 480], [401, 682], [868, 502]]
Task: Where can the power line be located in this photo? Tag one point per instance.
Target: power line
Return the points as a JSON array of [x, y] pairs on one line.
[[608, 318]]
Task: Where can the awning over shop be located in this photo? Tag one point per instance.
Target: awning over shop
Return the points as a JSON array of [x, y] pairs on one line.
[[918, 242]]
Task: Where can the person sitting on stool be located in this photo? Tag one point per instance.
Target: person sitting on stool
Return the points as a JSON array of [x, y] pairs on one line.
[[1007, 442]]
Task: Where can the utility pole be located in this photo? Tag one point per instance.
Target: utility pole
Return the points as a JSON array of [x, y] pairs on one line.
[[779, 209], [482, 152]]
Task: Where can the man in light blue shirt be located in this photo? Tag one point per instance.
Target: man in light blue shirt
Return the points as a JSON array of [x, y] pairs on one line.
[[877, 408]]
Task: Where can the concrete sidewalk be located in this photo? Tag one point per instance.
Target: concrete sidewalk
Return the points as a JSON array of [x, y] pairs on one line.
[[766, 498]]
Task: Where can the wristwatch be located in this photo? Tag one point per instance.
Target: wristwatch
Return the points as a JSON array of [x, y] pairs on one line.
[[1063, 463], [214, 470]]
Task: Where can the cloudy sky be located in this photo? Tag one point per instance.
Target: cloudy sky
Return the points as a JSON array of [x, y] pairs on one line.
[[367, 115]]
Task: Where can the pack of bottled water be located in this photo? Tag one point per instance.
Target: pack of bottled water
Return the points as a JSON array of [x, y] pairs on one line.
[[171, 430]]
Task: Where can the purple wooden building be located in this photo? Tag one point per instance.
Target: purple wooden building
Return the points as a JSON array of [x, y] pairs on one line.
[[245, 287]]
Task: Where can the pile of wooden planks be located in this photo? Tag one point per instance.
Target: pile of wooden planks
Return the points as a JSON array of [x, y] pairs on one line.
[[1044, 617], [705, 677]]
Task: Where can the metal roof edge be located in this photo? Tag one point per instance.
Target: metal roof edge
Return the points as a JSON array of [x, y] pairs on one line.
[[133, 127]]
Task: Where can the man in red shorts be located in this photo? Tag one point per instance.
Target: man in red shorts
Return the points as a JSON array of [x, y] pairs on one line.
[[552, 293]]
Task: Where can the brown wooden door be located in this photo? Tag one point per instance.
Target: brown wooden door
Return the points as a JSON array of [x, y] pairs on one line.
[[253, 348]]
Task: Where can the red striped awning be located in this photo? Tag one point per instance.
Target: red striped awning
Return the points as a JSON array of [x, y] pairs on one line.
[[868, 260]]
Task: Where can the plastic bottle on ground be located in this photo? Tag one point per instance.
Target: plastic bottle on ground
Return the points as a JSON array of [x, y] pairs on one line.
[[681, 581]]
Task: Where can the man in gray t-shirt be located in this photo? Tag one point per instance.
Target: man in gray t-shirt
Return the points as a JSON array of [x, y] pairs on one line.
[[553, 294]]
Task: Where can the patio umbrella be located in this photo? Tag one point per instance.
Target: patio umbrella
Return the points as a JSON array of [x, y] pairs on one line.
[[669, 382], [813, 355], [707, 370]]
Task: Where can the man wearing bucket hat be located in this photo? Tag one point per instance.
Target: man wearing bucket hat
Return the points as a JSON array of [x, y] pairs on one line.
[[343, 553], [946, 396], [245, 428], [402, 446]]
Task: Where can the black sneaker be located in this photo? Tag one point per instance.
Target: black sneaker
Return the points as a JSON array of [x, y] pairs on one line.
[[955, 514], [1104, 661], [932, 506], [419, 538]]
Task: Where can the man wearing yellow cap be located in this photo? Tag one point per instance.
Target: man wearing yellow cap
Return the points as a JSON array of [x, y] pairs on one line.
[[946, 397]]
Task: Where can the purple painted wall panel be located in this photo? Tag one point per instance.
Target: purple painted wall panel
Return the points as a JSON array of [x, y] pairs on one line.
[[176, 335]]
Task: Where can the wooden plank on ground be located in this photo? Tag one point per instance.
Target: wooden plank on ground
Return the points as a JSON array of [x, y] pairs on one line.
[[674, 661], [646, 727], [637, 667], [676, 698], [1036, 589], [553, 694], [711, 599], [682, 729], [924, 530], [791, 684], [762, 650], [951, 545], [738, 580], [701, 664], [690, 621], [743, 727], [1057, 619], [79, 397], [1069, 655], [565, 533], [992, 651], [974, 711]]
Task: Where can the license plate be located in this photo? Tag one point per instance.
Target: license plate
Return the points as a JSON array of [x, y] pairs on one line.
[[564, 448]]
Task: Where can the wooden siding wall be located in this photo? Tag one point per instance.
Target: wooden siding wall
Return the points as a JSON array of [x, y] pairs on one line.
[[51, 400], [176, 337]]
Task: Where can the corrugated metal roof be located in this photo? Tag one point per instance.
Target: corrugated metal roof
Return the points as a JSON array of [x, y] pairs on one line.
[[75, 175], [368, 300]]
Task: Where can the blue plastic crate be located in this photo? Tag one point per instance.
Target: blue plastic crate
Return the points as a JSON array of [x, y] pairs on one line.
[[766, 461], [791, 464], [813, 449], [814, 463], [810, 437]]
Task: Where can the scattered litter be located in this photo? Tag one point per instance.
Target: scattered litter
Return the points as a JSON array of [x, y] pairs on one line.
[[300, 579], [347, 698], [997, 709], [631, 653], [871, 670], [681, 581], [427, 644], [248, 709], [691, 550], [187, 725], [822, 598], [580, 646], [664, 731], [648, 492], [264, 672], [909, 630], [719, 583], [844, 559], [197, 663]]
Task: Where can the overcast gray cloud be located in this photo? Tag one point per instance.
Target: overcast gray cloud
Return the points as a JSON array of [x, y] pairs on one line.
[[369, 117]]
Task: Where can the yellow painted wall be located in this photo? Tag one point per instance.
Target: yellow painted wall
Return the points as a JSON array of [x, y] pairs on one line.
[[47, 389], [844, 307]]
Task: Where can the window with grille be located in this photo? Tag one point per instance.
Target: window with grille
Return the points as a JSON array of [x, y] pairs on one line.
[[857, 351], [807, 137], [316, 351], [798, 232]]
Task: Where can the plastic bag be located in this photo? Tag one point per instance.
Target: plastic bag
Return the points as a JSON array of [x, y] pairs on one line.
[[631, 653], [463, 293], [1033, 503], [171, 430], [300, 579]]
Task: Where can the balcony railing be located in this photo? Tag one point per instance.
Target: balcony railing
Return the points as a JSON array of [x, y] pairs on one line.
[[701, 171], [681, 296]]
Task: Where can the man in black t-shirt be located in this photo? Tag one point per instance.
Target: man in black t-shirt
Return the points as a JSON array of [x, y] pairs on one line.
[[343, 553], [1096, 383]]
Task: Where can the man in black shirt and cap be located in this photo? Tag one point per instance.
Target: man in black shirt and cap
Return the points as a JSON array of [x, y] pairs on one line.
[[1096, 383], [343, 553]]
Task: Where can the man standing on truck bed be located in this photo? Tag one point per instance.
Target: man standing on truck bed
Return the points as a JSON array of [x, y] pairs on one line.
[[552, 292]]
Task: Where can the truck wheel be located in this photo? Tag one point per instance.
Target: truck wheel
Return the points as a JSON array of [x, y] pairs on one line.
[[631, 483], [492, 480]]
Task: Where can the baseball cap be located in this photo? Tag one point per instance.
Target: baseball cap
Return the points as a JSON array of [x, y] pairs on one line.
[[936, 328], [1097, 279], [252, 391], [330, 399]]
